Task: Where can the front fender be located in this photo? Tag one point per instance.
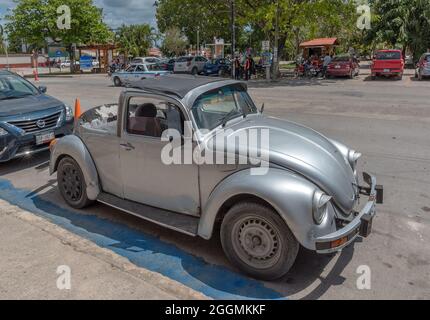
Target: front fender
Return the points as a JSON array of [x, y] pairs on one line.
[[73, 147], [289, 194]]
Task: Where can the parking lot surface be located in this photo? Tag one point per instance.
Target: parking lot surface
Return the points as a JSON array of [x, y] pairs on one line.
[[386, 120]]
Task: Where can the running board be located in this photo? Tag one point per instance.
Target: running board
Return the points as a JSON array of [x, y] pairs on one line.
[[172, 220]]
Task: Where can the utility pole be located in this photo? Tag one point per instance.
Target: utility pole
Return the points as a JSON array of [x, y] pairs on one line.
[[233, 35], [198, 41], [275, 67]]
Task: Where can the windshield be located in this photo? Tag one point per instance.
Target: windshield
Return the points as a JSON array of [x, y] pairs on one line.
[[341, 58], [13, 87], [427, 58], [390, 55], [184, 59], [211, 108]]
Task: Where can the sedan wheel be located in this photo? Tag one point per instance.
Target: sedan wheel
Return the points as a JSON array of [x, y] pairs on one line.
[[71, 183], [117, 82], [420, 76], [258, 241]]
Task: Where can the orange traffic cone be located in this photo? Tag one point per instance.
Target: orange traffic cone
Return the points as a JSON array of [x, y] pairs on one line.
[[77, 109]]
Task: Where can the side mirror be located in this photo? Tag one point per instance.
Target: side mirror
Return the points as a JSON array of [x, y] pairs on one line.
[[43, 89]]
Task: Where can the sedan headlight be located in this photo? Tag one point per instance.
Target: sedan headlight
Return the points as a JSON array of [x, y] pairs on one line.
[[320, 206], [69, 112], [3, 132]]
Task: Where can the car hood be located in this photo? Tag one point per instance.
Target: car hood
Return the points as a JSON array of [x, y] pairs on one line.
[[306, 152], [17, 107]]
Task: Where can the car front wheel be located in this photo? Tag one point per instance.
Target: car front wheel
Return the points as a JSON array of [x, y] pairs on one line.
[[258, 241], [71, 183]]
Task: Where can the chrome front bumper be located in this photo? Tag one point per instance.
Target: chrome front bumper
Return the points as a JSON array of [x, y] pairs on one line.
[[360, 226]]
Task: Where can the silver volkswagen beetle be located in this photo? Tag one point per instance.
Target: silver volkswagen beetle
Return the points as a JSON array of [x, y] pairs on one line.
[[309, 194]]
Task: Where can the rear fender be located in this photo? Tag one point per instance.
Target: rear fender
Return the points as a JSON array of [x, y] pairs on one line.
[[72, 146]]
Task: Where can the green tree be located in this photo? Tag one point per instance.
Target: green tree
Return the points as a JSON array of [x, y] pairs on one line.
[[174, 42], [135, 40], [33, 21], [255, 20], [403, 24]]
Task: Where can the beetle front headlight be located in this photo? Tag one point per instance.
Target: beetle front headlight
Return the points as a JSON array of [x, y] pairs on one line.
[[353, 157], [69, 112], [320, 206]]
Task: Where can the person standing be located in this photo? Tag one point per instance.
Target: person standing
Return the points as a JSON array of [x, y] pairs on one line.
[[237, 67], [248, 66], [326, 62]]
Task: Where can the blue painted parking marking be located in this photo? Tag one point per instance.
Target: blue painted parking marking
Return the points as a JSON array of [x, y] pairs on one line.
[[143, 250]]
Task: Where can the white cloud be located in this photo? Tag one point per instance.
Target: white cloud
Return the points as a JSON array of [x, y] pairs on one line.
[[116, 12]]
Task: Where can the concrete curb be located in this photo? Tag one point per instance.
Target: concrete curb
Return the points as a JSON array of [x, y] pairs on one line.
[[82, 245]]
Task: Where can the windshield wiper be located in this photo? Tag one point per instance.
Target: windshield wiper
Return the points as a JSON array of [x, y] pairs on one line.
[[16, 97], [228, 117]]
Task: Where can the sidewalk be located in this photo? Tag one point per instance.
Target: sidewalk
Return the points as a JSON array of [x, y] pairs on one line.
[[32, 249]]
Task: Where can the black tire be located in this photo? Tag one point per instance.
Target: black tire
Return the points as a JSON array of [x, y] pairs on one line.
[[71, 183], [373, 77], [420, 76], [194, 71], [117, 82], [251, 228]]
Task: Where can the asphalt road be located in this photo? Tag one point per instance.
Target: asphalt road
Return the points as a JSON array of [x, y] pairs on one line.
[[388, 121]]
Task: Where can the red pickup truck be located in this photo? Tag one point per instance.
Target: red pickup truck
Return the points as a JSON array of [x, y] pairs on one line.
[[388, 63]]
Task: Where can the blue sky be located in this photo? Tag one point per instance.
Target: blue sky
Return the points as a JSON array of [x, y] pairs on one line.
[[116, 12]]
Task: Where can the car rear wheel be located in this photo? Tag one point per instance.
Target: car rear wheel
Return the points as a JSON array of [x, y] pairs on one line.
[[420, 76], [258, 241], [72, 184], [117, 82]]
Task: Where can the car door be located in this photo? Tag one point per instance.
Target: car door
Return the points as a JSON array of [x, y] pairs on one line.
[[148, 179], [127, 76], [139, 73], [201, 61]]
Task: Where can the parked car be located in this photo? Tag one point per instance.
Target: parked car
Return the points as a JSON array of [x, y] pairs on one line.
[[194, 65], [66, 64], [29, 119], [136, 72], [423, 67], [145, 60], [388, 63], [219, 67], [344, 66], [308, 196], [167, 64]]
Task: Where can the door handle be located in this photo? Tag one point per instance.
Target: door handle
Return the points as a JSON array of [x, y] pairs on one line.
[[127, 146]]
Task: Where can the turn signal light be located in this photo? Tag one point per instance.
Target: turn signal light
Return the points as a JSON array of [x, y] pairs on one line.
[[52, 144], [339, 242]]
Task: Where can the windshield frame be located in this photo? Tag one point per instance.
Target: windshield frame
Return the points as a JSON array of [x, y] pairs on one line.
[[240, 115], [32, 89]]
